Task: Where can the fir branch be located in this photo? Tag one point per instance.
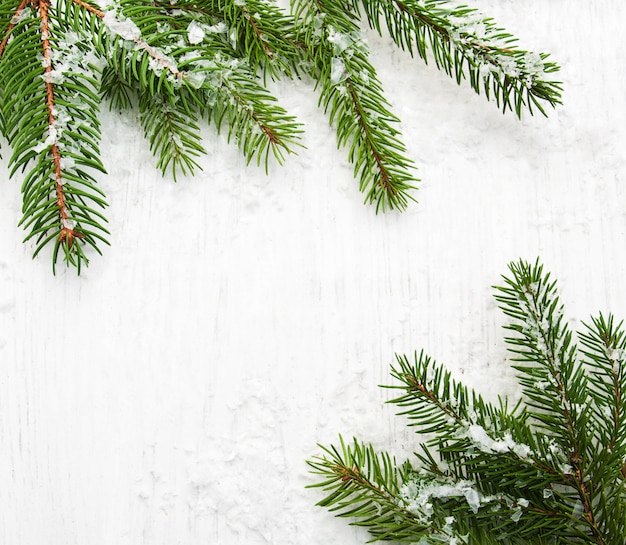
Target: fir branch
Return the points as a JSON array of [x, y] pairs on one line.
[[604, 344], [173, 139], [605, 353], [261, 32], [60, 198], [350, 90], [554, 382], [550, 377], [468, 45], [219, 84], [362, 484], [494, 474]]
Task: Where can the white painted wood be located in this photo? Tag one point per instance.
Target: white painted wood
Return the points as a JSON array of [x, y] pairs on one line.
[[171, 394]]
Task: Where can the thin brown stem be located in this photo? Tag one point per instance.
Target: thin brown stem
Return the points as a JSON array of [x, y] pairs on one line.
[[7, 34], [443, 31], [141, 43], [67, 234], [385, 177], [89, 8], [258, 32], [575, 457]]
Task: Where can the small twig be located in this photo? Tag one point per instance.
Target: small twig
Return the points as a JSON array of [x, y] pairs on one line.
[[11, 26], [141, 43], [67, 233], [258, 32], [89, 8]]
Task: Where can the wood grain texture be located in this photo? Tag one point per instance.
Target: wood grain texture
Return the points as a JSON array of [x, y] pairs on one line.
[[171, 394]]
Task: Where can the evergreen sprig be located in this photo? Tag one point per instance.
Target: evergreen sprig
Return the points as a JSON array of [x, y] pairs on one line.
[[184, 63], [467, 44], [549, 470]]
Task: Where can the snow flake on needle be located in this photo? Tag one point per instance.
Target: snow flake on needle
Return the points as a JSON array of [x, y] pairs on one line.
[[124, 28]]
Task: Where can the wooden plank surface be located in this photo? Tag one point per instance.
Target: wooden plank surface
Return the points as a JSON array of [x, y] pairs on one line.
[[171, 394]]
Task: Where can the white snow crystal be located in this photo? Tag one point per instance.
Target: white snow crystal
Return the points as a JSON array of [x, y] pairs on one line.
[[196, 79], [125, 29], [509, 67], [71, 37], [318, 25], [67, 162], [340, 41], [53, 76], [219, 28], [481, 439], [337, 71], [485, 69], [68, 223], [533, 64], [21, 15], [195, 33], [49, 141], [418, 497], [473, 498], [233, 38]]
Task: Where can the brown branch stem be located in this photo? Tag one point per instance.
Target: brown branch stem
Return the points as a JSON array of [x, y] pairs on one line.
[[385, 178], [258, 32], [67, 232], [89, 8], [141, 43], [11, 26], [578, 481]]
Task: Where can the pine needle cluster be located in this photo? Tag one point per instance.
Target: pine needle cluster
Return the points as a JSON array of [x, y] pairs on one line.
[[549, 470], [182, 63]]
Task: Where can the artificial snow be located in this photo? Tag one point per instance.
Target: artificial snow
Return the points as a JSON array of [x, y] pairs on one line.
[[21, 15], [195, 33], [338, 72], [340, 41], [417, 497], [481, 439], [51, 139], [124, 28], [68, 223]]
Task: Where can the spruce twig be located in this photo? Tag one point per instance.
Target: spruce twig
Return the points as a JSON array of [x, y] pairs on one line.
[[548, 470]]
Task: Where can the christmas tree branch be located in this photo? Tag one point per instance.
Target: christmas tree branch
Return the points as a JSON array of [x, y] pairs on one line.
[[58, 195], [361, 484], [502, 475], [605, 352], [173, 139], [543, 346], [263, 34], [68, 233], [350, 90], [552, 379], [17, 16], [461, 38]]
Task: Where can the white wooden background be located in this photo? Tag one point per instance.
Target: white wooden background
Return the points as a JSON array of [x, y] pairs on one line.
[[171, 394]]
